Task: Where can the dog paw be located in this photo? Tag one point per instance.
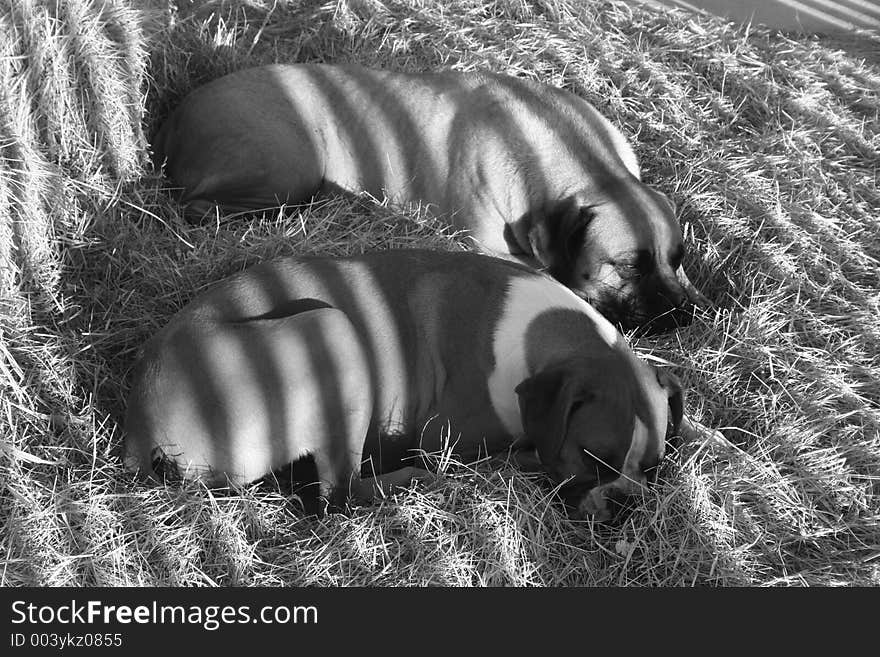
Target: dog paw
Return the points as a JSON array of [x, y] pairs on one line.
[[594, 505], [691, 430]]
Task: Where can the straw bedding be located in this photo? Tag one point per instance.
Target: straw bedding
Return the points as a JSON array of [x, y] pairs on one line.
[[768, 144]]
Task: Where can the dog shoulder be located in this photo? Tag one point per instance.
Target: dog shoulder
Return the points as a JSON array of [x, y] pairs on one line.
[[540, 321]]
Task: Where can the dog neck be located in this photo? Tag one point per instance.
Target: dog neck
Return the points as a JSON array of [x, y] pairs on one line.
[[521, 347]]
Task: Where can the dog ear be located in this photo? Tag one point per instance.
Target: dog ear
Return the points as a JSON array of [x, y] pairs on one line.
[[662, 197], [539, 241], [668, 200], [693, 295], [551, 232], [670, 383], [546, 403]]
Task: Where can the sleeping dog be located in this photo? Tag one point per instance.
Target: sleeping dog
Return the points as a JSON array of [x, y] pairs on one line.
[[360, 361], [531, 171]]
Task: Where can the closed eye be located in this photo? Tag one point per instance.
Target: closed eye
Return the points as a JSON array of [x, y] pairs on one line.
[[637, 266]]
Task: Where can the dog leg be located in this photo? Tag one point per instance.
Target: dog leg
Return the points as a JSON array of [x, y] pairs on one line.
[[691, 430], [528, 460], [381, 486], [525, 459]]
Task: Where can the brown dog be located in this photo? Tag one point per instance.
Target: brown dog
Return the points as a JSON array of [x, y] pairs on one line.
[[530, 170], [363, 361]]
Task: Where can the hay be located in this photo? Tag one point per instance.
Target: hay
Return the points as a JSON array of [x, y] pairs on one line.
[[767, 143], [71, 107]]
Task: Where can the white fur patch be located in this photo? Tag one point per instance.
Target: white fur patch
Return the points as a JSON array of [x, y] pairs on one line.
[[631, 473], [630, 481], [526, 298]]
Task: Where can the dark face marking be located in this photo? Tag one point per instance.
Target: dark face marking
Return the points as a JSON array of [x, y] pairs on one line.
[[623, 255], [596, 423], [654, 401]]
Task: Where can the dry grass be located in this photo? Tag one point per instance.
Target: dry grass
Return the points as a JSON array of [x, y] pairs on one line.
[[768, 144]]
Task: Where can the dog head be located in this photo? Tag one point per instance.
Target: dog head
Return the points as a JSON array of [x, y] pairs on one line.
[[600, 429], [621, 252]]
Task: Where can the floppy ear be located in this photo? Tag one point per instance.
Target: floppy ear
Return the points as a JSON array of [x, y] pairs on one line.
[[670, 383], [693, 294], [546, 401], [539, 241], [662, 197], [666, 199], [551, 231]]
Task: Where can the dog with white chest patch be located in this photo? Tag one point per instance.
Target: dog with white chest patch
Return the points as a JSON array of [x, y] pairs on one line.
[[531, 171], [359, 361]]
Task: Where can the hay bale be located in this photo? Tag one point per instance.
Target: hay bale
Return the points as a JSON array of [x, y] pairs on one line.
[[71, 106], [71, 109]]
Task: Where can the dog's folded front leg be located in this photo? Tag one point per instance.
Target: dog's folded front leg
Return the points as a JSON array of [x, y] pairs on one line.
[[380, 486], [525, 459]]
